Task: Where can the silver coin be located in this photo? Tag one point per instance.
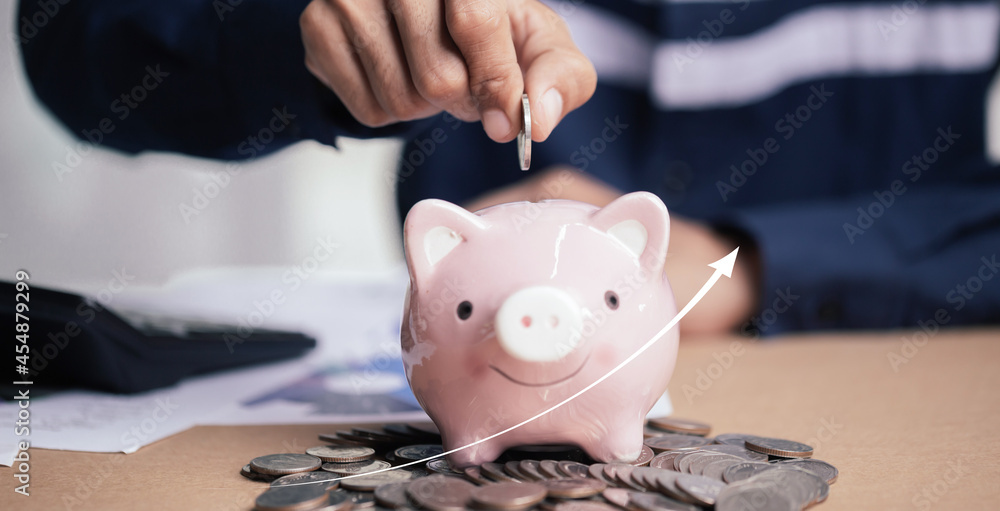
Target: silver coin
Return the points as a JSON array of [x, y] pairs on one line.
[[806, 487], [573, 488], [508, 495], [418, 452], [361, 499], [824, 470], [361, 467], [495, 471], [735, 450], [656, 502], [737, 439], [715, 469], [675, 442], [755, 496], [440, 493], [254, 476], [338, 501], [524, 136], [369, 482], [475, 474], [340, 453], [283, 464], [326, 480], [743, 471], [665, 460], [513, 469], [531, 469], [618, 496], [779, 447], [550, 469], [292, 498], [392, 495], [702, 489], [441, 466], [697, 467], [573, 469]]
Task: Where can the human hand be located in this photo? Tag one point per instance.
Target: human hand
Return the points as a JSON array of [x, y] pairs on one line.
[[727, 306], [399, 60]]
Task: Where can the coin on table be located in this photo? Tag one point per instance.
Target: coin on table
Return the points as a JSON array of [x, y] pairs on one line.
[[573, 469], [657, 502], [441, 466], [707, 458], [645, 456], [715, 469], [646, 477], [675, 442], [701, 488], [665, 460], [392, 495], [340, 453], [418, 452], [806, 487], [524, 136], [326, 480], [361, 467], [287, 463], [666, 481], [513, 469], [824, 470], [496, 472], [765, 497], [475, 474], [622, 474], [735, 450], [682, 426], [440, 493], [583, 505], [573, 488], [368, 482], [743, 471], [254, 476], [292, 498], [338, 501], [531, 469], [508, 496], [779, 447], [597, 472], [360, 499], [737, 439], [618, 496], [550, 469]]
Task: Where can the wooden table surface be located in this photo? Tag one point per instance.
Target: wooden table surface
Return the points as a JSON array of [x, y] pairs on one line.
[[918, 430]]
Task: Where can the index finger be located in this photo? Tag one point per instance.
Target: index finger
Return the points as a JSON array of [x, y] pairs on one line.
[[482, 31]]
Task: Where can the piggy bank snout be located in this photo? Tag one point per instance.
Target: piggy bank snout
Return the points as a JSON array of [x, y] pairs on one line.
[[539, 324]]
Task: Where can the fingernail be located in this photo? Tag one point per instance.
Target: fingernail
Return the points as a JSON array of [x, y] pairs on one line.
[[496, 124], [552, 105]]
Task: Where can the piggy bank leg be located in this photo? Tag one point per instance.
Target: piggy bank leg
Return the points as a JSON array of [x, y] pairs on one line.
[[619, 445], [475, 455]]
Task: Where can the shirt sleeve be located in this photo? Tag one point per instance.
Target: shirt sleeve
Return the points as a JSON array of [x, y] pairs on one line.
[[907, 256], [220, 79]]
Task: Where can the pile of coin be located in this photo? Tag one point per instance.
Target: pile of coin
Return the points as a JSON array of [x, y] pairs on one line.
[[679, 468]]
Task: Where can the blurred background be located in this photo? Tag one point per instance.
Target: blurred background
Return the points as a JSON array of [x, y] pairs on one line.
[[75, 215]]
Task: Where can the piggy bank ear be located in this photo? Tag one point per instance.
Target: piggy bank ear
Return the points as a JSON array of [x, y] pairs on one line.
[[640, 222], [433, 229]]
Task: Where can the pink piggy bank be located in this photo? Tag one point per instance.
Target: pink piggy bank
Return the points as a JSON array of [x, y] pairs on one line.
[[516, 307]]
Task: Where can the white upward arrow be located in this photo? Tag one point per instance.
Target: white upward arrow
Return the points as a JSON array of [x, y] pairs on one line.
[[722, 267]]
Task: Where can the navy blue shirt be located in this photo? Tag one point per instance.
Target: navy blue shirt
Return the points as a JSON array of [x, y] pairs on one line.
[[847, 139]]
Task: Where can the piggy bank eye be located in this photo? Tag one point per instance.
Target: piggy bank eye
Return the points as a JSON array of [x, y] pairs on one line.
[[464, 310], [611, 298]]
